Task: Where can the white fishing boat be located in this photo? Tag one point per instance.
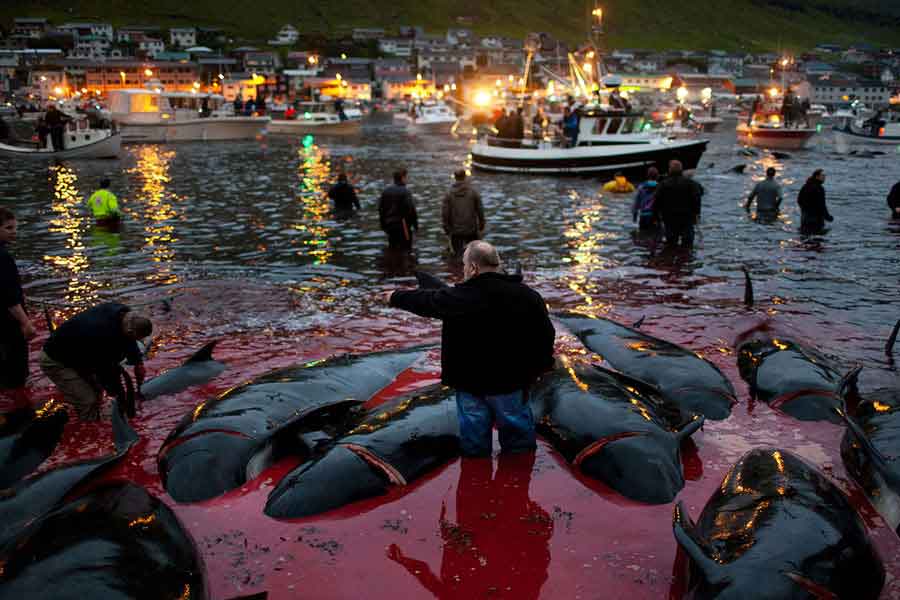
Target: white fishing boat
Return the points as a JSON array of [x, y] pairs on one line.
[[608, 141], [429, 117], [79, 142], [314, 118], [774, 135], [879, 128], [160, 116]]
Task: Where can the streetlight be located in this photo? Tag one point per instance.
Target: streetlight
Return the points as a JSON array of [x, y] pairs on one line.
[[148, 72], [122, 75]]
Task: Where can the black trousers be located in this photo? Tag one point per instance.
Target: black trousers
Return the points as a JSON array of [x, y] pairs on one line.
[[458, 243], [397, 238], [57, 135], [13, 358], [680, 234]]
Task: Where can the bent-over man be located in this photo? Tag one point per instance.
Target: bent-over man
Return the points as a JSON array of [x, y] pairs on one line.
[[496, 340], [83, 355]]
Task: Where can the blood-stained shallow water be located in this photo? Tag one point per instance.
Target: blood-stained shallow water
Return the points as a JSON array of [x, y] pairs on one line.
[[240, 236]]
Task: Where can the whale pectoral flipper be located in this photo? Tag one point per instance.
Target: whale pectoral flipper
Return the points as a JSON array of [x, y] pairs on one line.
[[688, 539], [691, 428]]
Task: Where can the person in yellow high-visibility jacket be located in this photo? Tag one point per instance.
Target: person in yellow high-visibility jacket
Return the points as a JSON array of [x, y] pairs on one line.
[[619, 185], [104, 204]]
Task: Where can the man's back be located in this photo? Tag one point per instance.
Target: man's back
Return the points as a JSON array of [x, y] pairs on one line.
[[92, 339], [677, 200], [462, 211], [768, 195], [344, 196], [497, 336], [396, 206]]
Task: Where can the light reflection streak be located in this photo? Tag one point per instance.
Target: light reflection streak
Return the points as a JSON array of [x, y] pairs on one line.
[[152, 170], [313, 171], [70, 221], [585, 242]]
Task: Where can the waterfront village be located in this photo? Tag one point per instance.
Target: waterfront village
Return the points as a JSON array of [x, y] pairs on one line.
[[41, 61]]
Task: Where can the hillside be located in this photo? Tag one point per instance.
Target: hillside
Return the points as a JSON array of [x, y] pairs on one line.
[[698, 24]]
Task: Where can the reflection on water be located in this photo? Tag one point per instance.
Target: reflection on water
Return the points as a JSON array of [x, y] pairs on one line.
[[69, 220], [585, 243], [152, 204], [313, 172]]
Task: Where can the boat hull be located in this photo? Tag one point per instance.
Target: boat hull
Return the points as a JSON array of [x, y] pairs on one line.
[[777, 139], [853, 138], [209, 129], [303, 127], [438, 127], [107, 147], [631, 159]]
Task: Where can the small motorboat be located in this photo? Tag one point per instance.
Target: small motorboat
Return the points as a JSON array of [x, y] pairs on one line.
[[80, 141], [429, 117], [768, 131], [316, 118], [880, 128]]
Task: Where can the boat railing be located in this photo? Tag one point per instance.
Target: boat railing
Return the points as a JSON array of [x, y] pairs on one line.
[[526, 142]]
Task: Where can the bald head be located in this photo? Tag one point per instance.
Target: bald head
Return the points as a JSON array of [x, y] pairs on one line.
[[480, 257]]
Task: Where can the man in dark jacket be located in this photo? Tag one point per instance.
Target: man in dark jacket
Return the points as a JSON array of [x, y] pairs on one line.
[[343, 195], [56, 121], [677, 205], [82, 356], [496, 341], [15, 326], [813, 210], [397, 213], [462, 213], [893, 201]]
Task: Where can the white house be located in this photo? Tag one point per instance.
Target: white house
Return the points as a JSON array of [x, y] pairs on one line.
[[835, 90], [287, 36], [183, 37], [91, 47], [82, 30], [151, 46], [396, 46]]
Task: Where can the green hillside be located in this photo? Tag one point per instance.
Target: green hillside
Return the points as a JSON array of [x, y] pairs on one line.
[[696, 24]]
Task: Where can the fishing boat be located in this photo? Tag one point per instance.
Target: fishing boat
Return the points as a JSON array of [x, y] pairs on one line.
[[609, 141], [80, 142], [773, 134], [429, 117], [315, 118], [880, 128], [158, 116]]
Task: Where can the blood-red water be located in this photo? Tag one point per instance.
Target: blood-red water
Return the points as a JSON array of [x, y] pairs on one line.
[[508, 527]]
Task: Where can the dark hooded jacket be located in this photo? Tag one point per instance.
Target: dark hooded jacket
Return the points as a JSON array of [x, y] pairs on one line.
[[344, 197], [462, 212], [497, 337], [893, 199]]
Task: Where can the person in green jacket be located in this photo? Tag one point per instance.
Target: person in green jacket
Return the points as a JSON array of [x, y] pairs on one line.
[[104, 204]]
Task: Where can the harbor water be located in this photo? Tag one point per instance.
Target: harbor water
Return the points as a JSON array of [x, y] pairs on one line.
[[239, 237]]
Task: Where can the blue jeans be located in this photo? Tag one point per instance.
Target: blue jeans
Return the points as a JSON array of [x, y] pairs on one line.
[[477, 415]]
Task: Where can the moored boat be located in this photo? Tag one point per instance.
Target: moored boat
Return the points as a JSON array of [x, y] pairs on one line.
[[431, 117], [158, 116], [608, 141], [314, 118], [80, 142], [879, 129]]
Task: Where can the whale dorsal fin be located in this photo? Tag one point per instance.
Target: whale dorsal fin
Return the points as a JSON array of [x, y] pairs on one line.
[[892, 339], [204, 354], [748, 288]]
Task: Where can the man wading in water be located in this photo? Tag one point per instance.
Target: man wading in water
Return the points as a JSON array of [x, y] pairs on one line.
[[496, 341]]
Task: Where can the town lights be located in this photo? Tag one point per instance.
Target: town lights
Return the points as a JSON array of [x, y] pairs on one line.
[[587, 67], [196, 85], [58, 91], [222, 77], [313, 59], [681, 94], [773, 92], [482, 98], [148, 72], [597, 14]]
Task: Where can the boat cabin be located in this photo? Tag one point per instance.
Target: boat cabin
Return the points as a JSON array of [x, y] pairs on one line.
[[148, 106], [599, 127]]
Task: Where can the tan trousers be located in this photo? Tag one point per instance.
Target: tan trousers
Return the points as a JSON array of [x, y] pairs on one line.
[[84, 395]]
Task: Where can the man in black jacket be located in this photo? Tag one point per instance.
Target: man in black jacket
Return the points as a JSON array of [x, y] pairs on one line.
[[343, 195], [496, 340], [82, 356], [677, 204], [397, 213], [15, 326]]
